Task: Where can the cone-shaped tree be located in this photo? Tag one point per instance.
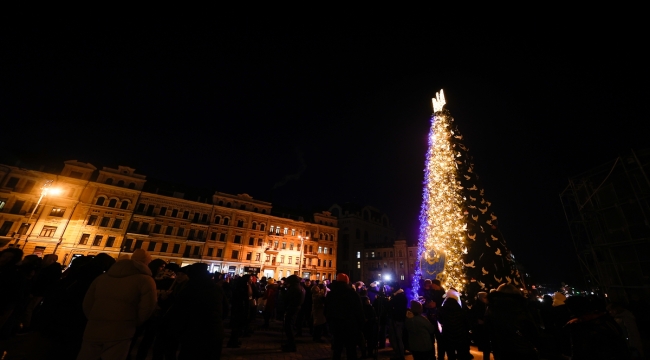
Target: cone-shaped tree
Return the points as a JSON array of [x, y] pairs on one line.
[[460, 243]]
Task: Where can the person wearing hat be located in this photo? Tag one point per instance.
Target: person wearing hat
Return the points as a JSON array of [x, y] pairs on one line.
[[345, 317], [420, 332], [455, 326], [116, 303]]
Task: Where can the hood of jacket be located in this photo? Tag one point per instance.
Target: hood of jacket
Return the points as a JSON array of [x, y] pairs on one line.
[[127, 267]]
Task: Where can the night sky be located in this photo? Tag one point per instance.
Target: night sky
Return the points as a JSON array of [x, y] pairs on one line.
[[306, 112]]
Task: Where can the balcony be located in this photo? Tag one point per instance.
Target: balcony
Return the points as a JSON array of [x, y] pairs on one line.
[[271, 250], [310, 254], [271, 263], [197, 238], [309, 267]]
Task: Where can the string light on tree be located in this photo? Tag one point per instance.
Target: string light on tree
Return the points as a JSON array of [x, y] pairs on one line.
[[459, 237]]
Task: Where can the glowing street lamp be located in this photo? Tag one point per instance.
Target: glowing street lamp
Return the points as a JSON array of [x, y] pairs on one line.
[[45, 190]]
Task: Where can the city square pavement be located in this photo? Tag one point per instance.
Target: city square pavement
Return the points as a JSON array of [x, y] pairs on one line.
[[265, 344]]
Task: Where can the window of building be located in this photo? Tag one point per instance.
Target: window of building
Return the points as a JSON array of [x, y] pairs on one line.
[[175, 213], [84, 239], [251, 241], [57, 211], [290, 259], [410, 253], [186, 214], [275, 244], [117, 224], [163, 247], [222, 237], [234, 254], [237, 239], [257, 256], [48, 231], [260, 242], [190, 234], [277, 230], [228, 204], [291, 246], [254, 225], [284, 245], [358, 254], [286, 231], [226, 221], [330, 263], [110, 242], [180, 231], [240, 223], [163, 211], [210, 251], [100, 201], [152, 246], [401, 264], [197, 250], [92, 219], [320, 249], [138, 244], [242, 207], [358, 264], [262, 227], [98, 240], [372, 254], [271, 228], [401, 277], [219, 252], [196, 217], [281, 259], [293, 232], [176, 249], [105, 221], [112, 203], [156, 229], [325, 250], [319, 262], [268, 258]]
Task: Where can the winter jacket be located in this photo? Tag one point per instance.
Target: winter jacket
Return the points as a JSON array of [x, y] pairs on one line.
[[343, 307], [510, 326], [318, 305], [397, 306], [455, 325], [420, 332], [118, 301]]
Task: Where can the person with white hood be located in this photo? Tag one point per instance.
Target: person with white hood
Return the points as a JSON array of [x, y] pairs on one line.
[[116, 303]]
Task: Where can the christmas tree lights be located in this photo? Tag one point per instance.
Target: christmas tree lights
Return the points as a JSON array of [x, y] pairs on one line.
[[459, 241]]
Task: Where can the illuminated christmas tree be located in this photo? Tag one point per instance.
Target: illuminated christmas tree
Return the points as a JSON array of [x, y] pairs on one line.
[[460, 243]]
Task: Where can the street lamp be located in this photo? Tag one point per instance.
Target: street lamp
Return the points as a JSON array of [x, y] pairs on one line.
[[302, 242], [44, 191]]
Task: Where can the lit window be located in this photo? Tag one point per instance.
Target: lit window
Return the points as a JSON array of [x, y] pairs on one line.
[[293, 232], [277, 230], [48, 231], [257, 256], [320, 249], [358, 264], [372, 254], [325, 251], [358, 254], [58, 212], [286, 231], [401, 277], [272, 227]]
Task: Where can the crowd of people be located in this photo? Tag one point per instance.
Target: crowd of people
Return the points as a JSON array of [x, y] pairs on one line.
[[138, 306]]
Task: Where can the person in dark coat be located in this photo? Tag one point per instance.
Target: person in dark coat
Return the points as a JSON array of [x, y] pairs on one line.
[[270, 296], [513, 333], [594, 332], [481, 336], [455, 327], [397, 306], [199, 307], [293, 298], [344, 315], [370, 327], [242, 294]]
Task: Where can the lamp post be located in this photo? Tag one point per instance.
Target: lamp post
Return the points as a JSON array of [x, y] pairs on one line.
[[302, 242], [44, 191]]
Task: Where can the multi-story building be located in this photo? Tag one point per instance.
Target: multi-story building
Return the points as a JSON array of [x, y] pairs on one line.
[[368, 247], [83, 211]]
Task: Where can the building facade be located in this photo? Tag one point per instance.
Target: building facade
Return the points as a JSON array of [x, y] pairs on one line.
[[368, 247], [83, 211]]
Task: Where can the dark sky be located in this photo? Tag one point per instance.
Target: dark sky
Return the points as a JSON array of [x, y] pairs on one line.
[[308, 112]]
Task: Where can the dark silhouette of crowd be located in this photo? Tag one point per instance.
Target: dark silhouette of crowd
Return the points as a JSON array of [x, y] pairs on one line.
[[137, 307]]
